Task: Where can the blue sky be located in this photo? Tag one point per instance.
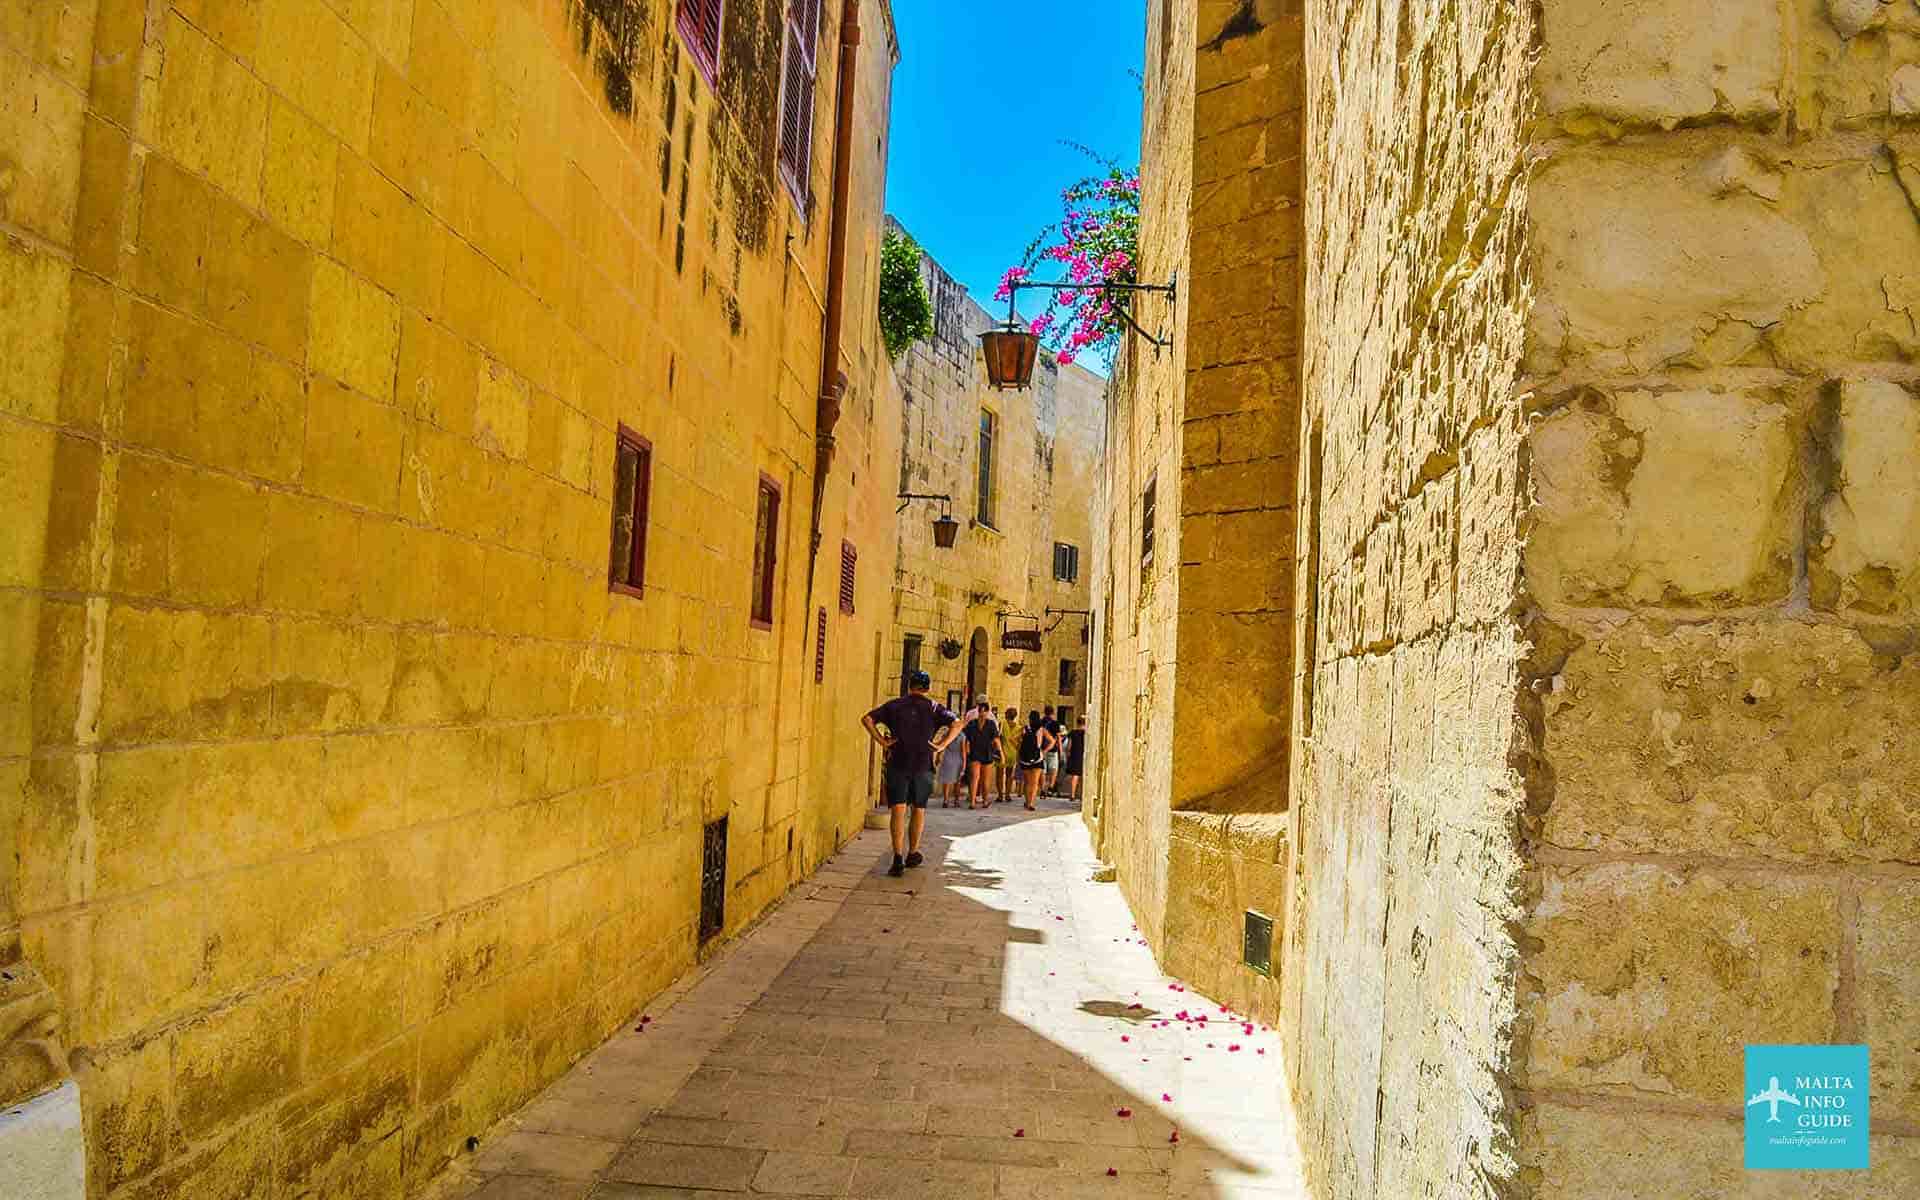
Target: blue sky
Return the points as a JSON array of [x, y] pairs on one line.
[[996, 81]]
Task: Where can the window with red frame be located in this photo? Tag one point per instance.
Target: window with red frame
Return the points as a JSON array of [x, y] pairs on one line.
[[632, 491], [820, 650], [766, 551], [699, 24], [796, 99]]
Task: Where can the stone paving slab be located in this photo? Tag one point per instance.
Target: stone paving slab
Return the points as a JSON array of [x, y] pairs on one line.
[[989, 1027]]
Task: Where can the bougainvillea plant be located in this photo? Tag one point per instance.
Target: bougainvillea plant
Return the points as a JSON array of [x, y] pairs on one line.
[[906, 311], [1097, 241]]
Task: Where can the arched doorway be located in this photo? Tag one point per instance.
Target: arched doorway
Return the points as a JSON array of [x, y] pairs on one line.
[[977, 666]]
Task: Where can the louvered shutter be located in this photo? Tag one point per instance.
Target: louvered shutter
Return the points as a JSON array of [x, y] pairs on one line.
[[796, 99], [849, 560], [699, 22]]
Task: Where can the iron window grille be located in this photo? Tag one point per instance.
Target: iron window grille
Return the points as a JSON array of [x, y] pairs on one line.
[[909, 661], [713, 880]]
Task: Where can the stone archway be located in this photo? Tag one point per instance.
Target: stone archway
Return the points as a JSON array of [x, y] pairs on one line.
[[977, 665]]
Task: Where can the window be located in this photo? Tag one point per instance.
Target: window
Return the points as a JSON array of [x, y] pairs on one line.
[[1069, 672], [1146, 529], [632, 489], [909, 660], [796, 100], [820, 649], [1066, 562], [1065, 715], [766, 551], [985, 514], [699, 23], [849, 560]]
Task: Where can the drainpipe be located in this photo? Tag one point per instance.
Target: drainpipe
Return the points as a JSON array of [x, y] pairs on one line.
[[833, 381]]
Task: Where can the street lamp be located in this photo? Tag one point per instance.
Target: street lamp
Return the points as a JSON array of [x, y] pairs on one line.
[[945, 528], [1011, 350]]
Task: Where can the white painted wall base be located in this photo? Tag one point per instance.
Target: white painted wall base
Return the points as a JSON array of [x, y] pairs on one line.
[[43, 1152]]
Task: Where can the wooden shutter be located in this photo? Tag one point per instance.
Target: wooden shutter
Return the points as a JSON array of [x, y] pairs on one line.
[[796, 99], [820, 649], [699, 22], [849, 558]]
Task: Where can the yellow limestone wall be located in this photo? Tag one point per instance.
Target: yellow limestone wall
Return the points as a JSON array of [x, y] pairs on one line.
[[1724, 579], [1601, 754], [345, 806], [1048, 445], [1204, 636]]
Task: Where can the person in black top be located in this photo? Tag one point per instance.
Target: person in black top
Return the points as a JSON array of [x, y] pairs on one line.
[[1035, 744], [1052, 760], [1076, 763], [983, 750], [917, 731]]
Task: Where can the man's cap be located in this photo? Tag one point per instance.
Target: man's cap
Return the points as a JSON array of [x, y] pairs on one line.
[[919, 681]]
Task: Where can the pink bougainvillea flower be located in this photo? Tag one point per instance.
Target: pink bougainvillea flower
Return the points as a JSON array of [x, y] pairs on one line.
[[1020, 1133], [1166, 1097], [1125, 1038], [1174, 1138], [1261, 1050], [1122, 1112], [1112, 1174], [1234, 1049]]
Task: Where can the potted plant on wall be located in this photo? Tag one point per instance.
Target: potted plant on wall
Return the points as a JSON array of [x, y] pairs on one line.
[[950, 648], [1015, 667]]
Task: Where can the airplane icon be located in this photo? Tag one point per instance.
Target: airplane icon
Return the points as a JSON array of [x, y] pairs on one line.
[[1772, 1098]]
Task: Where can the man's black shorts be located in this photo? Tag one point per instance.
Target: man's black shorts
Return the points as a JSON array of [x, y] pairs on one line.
[[909, 787]]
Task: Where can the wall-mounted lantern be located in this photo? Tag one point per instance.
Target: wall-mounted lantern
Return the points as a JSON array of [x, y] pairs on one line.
[[1012, 349], [945, 528]]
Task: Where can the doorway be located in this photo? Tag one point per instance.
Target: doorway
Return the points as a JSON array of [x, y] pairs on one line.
[[977, 665]]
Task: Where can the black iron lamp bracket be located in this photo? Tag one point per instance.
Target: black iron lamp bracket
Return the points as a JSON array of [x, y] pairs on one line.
[[906, 498], [1170, 289]]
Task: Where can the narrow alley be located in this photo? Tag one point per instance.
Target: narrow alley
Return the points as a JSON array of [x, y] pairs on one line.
[[988, 1026]]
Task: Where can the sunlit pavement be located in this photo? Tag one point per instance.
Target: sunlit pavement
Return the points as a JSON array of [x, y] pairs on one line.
[[968, 1030]]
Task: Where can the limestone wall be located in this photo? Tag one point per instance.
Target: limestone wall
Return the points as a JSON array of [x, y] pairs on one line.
[[1046, 442], [1202, 637], [1724, 574], [346, 804], [1400, 952], [1134, 700]]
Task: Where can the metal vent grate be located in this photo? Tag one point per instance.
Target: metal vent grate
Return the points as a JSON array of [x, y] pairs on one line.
[[713, 881], [1258, 949]]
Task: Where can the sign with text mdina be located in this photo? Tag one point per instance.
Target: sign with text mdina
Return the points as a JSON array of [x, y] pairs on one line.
[[1020, 639], [1806, 1108]]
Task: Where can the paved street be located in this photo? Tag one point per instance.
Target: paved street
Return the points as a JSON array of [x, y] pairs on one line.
[[970, 1030]]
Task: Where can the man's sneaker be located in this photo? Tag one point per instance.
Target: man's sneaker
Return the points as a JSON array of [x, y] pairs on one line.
[[914, 859], [897, 869]]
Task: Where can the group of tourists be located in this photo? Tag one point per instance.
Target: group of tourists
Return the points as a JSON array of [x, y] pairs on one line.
[[1001, 760], [974, 750]]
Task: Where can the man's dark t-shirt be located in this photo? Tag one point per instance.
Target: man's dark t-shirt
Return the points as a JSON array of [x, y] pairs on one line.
[[912, 720], [1053, 727]]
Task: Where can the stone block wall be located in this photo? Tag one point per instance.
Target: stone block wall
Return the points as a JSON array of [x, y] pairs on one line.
[[1722, 576], [1047, 442], [1401, 952], [345, 804], [1202, 646]]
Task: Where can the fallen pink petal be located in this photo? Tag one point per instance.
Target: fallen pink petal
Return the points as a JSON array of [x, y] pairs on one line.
[[1123, 1112]]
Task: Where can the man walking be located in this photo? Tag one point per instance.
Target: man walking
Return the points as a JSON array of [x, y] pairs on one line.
[[917, 732]]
